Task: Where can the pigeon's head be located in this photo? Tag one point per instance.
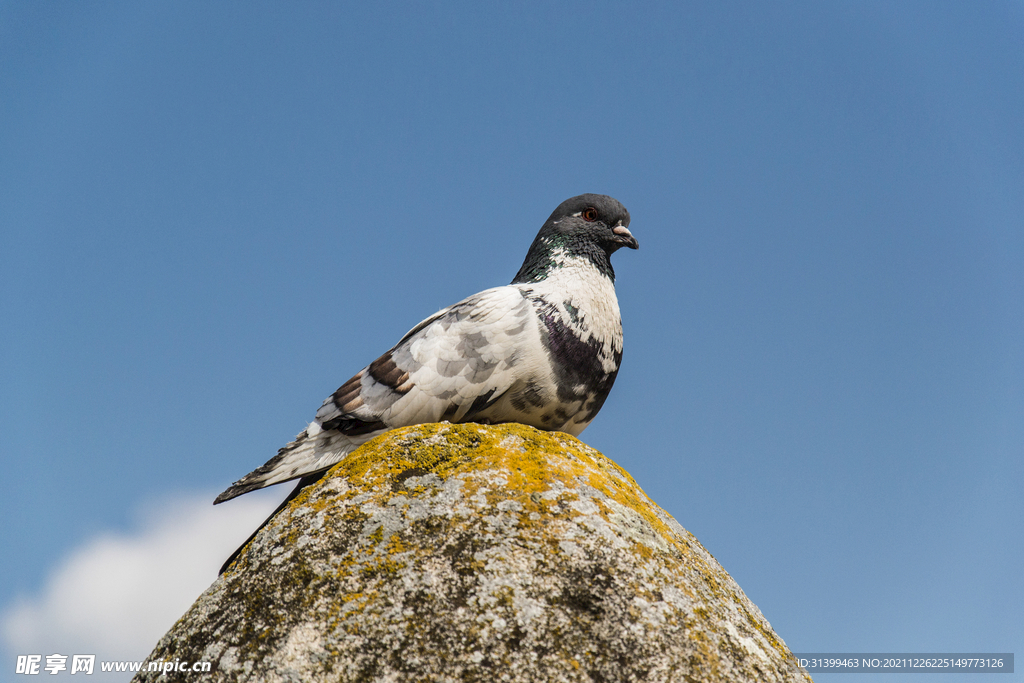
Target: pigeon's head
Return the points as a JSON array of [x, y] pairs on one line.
[[590, 227], [593, 218]]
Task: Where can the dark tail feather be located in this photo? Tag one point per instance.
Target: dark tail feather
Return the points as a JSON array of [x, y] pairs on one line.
[[303, 483]]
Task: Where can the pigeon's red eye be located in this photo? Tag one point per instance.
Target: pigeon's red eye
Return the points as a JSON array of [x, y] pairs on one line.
[[589, 214]]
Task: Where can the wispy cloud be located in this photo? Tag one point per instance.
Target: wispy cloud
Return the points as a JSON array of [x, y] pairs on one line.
[[118, 593]]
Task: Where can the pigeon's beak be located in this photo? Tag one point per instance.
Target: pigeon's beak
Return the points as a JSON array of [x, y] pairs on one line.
[[624, 237]]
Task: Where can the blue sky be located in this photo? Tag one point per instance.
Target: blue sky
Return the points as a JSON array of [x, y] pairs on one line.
[[212, 214]]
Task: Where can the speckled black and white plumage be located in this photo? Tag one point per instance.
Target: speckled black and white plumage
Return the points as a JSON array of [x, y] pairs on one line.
[[542, 351]]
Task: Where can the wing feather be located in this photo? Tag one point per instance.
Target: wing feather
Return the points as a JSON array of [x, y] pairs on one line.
[[455, 365]]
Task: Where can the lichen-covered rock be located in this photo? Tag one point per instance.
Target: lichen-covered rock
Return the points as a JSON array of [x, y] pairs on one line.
[[476, 553]]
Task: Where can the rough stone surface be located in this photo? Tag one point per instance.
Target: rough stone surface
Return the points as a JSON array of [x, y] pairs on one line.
[[476, 553]]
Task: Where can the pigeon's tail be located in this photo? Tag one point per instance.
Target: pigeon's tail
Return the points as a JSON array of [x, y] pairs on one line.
[[303, 483], [314, 450]]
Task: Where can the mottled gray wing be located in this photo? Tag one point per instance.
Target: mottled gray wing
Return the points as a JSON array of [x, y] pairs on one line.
[[450, 367]]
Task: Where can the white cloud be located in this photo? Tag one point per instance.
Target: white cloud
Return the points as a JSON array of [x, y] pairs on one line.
[[117, 594]]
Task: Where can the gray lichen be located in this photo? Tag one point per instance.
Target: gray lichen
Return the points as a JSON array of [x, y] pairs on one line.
[[476, 553]]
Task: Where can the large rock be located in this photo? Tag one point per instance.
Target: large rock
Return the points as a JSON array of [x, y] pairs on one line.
[[475, 553]]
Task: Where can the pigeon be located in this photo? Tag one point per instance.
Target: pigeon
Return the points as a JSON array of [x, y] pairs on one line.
[[542, 351]]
